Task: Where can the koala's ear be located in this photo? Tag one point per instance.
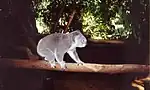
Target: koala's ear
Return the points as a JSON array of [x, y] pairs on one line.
[[75, 33], [78, 30]]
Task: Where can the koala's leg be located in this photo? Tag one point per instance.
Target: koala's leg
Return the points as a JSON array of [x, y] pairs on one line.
[[51, 59], [59, 58], [73, 54]]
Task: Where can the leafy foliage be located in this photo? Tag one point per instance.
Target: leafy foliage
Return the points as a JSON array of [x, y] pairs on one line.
[[105, 19], [101, 19]]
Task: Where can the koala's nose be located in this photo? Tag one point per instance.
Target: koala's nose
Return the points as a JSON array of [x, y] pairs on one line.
[[86, 41]]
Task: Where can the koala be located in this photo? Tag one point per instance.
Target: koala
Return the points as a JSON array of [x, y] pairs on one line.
[[53, 47]]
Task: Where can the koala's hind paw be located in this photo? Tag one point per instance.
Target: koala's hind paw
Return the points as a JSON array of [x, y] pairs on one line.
[[63, 68], [63, 65], [53, 65]]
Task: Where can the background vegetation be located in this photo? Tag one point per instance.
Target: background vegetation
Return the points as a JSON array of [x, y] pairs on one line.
[[99, 19]]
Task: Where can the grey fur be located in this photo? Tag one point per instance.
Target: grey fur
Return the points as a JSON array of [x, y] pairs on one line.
[[54, 46]]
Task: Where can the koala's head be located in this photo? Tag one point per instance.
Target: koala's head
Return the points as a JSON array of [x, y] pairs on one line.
[[78, 39]]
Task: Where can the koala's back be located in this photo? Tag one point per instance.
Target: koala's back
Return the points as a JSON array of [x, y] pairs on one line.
[[51, 42]]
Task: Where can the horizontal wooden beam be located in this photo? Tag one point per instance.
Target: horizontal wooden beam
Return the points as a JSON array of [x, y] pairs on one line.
[[73, 67], [106, 41]]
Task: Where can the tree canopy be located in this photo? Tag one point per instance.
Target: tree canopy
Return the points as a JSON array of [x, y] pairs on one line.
[[99, 19]]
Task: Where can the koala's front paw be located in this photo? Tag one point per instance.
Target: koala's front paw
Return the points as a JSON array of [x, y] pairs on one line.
[[63, 65], [80, 63]]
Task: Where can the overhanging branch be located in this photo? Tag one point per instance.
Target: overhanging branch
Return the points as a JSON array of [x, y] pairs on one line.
[[73, 67]]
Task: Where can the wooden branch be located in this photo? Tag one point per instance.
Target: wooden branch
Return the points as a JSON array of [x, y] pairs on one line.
[[73, 67], [70, 20], [58, 17]]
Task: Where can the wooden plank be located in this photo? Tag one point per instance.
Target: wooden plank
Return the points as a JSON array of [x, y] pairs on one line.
[[73, 67]]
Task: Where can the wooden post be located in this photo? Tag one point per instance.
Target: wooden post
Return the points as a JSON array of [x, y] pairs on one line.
[[73, 67]]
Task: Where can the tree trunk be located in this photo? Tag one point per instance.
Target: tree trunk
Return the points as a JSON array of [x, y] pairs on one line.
[[137, 47], [18, 40]]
